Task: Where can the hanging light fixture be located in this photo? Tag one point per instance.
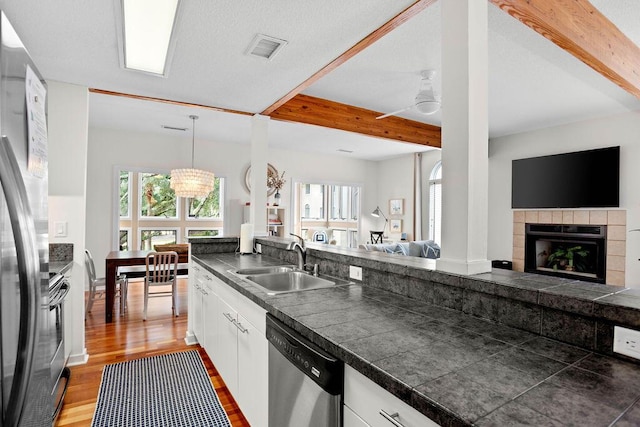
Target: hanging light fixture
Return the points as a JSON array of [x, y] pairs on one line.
[[192, 182]]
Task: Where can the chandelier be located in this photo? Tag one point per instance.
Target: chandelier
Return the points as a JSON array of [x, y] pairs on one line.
[[192, 182]]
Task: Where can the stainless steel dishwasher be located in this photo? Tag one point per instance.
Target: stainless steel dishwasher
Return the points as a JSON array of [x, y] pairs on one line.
[[305, 382]]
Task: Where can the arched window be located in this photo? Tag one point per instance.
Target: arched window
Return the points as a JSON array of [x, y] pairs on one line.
[[435, 202]]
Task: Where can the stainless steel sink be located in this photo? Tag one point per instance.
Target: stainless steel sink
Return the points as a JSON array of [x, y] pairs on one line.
[[292, 281], [265, 270]]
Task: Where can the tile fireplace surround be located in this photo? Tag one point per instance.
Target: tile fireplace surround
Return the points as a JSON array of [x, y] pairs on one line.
[[615, 220]]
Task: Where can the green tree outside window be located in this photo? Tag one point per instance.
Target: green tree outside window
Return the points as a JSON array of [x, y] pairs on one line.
[[157, 198]]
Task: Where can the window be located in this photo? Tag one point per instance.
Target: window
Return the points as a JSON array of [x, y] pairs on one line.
[[150, 237], [333, 208], [344, 202], [435, 203], [355, 203], [125, 194], [353, 238], [203, 232], [157, 199], [340, 237], [125, 243], [313, 202], [207, 207], [156, 215]]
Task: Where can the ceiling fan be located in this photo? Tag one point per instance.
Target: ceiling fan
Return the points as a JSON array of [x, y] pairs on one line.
[[425, 101]]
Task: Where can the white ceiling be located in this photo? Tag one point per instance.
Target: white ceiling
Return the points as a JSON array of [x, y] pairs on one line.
[[533, 83]]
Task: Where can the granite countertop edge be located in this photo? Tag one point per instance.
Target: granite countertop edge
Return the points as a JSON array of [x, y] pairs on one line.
[[425, 403], [60, 267], [408, 394]]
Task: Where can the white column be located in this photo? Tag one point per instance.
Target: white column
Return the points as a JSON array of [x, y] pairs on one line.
[[464, 137], [259, 152], [68, 149]]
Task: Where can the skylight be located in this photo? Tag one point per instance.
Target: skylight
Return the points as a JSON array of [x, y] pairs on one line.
[[148, 27]]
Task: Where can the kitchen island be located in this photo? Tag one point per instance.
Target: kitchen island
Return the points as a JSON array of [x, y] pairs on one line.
[[452, 366]]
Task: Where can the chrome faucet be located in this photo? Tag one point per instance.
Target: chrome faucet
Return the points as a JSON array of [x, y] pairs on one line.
[[300, 249]]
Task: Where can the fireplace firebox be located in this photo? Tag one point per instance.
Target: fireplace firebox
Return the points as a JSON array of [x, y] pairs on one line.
[[571, 251]]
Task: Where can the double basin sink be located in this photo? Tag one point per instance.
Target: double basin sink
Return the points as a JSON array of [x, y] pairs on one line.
[[279, 279]]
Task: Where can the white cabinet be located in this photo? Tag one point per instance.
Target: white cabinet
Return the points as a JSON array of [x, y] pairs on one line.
[[368, 404], [238, 347], [227, 352], [253, 372], [196, 298], [210, 322]]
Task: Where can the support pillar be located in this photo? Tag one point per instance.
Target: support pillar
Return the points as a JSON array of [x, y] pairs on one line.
[[465, 162], [259, 153]]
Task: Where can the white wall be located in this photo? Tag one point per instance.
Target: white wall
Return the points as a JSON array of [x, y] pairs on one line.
[[622, 130], [110, 148], [68, 118]]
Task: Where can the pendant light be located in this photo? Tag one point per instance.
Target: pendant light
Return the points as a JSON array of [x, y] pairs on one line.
[[192, 182]]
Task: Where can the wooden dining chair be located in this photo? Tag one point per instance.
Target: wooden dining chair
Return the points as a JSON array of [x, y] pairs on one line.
[[161, 271], [97, 285]]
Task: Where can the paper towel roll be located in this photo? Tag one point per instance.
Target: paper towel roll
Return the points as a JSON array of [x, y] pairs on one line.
[[246, 239]]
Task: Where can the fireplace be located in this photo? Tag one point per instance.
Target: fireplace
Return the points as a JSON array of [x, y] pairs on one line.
[[571, 251]]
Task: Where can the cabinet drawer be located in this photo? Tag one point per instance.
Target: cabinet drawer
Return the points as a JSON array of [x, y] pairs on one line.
[[368, 400], [350, 419]]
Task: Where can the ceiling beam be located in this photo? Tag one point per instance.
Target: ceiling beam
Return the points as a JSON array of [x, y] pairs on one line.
[[167, 101], [376, 35], [330, 114], [579, 28]]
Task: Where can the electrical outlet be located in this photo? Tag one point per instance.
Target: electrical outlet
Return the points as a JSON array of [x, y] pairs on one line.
[[626, 341], [258, 248], [355, 272]]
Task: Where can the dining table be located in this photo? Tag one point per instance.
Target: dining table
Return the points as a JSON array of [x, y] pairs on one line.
[[117, 259]]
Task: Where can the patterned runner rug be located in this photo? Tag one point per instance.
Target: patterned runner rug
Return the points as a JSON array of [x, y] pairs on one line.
[[167, 390]]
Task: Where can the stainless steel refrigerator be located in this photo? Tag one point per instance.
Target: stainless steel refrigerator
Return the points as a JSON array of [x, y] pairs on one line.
[[25, 332]]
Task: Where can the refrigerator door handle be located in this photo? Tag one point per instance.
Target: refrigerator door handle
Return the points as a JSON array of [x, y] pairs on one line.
[[24, 234]]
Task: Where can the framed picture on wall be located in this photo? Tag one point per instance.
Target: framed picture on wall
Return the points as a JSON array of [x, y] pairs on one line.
[[395, 225], [396, 207]]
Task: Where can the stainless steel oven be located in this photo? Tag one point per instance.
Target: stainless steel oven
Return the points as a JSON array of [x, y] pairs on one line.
[[58, 290]]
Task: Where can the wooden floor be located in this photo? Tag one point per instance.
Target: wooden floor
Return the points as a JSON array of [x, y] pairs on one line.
[[129, 338]]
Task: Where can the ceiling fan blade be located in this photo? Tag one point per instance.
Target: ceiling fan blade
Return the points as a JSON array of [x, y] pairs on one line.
[[396, 112]]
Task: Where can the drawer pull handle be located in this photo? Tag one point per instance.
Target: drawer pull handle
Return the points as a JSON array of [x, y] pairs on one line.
[[391, 418], [241, 328], [229, 318], [207, 277]]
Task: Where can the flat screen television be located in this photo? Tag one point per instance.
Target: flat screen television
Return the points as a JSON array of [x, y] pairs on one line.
[[582, 179]]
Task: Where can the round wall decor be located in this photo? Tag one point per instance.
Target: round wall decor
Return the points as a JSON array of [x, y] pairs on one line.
[[247, 178]]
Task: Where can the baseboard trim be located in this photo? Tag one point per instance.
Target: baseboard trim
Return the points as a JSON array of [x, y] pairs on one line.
[[78, 359], [190, 338]]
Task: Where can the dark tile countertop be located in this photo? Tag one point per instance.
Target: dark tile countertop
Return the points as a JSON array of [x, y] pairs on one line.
[[455, 368], [59, 267], [60, 258]]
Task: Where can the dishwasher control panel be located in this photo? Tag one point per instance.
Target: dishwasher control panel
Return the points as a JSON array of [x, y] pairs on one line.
[[324, 369]]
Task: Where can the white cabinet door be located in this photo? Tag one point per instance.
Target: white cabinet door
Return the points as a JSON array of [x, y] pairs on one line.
[[253, 373], [375, 405], [350, 419], [227, 350], [196, 309], [210, 323]]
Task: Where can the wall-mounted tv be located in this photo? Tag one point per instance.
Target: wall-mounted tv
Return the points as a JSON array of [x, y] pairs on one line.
[[582, 179]]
